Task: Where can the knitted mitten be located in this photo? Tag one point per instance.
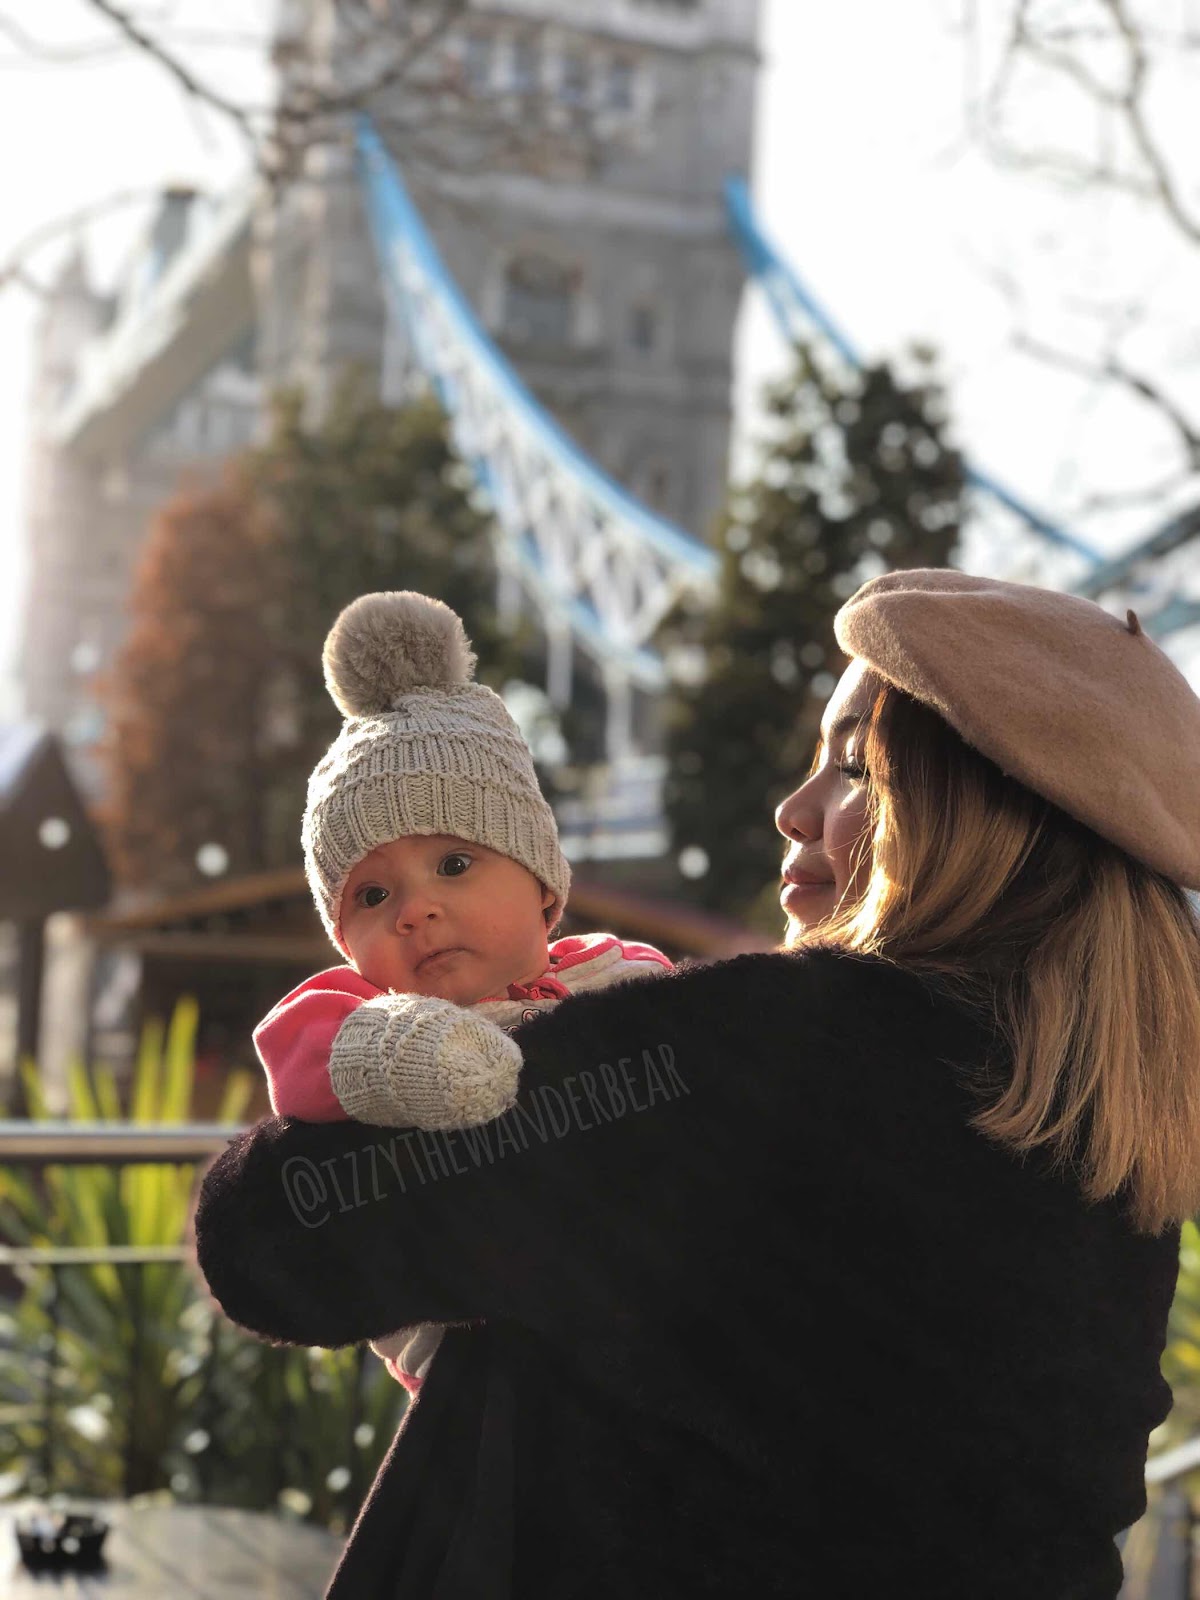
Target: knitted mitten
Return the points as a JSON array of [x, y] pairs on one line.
[[411, 1061]]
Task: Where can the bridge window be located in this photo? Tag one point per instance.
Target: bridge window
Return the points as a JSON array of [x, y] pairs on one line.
[[538, 301], [576, 80], [654, 484], [526, 66], [244, 354], [620, 83], [477, 62], [643, 328]]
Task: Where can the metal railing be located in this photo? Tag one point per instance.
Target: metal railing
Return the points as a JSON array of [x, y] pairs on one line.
[[1164, 1566], [113, 1143], [39, 1144], [1172, 1575], [111, 1255]]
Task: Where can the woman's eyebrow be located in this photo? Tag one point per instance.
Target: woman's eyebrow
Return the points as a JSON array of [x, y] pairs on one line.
[[846, 724]]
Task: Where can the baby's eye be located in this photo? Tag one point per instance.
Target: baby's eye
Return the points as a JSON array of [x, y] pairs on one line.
[[371, 888], [455, 864]]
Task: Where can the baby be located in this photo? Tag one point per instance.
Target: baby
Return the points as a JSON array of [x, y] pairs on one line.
[[434, 862]]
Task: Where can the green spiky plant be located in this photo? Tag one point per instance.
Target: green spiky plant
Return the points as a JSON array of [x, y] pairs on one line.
[[152, 1389], [1181, 1368], [1181, 1358]]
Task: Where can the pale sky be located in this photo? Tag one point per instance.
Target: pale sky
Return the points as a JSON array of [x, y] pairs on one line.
[[862, 177]]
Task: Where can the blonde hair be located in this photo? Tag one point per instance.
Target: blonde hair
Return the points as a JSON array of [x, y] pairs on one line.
[[1086, 961]]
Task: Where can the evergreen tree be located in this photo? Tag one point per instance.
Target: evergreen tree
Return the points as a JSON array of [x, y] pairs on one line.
[[856, 478], [216, 706], [371, 498]]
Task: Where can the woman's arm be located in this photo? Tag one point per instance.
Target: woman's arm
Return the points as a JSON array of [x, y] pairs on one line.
[[646, 1116]]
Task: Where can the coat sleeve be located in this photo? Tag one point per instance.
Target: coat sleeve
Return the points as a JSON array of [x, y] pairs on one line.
[[649, 1119]]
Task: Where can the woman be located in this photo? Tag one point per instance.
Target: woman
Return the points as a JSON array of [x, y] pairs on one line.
[[835, 1272]]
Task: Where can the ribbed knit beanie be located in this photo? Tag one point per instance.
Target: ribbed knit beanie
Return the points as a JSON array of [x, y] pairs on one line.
[[423, 750]]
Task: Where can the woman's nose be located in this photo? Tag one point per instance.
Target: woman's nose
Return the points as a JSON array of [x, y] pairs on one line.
[[797, 817]]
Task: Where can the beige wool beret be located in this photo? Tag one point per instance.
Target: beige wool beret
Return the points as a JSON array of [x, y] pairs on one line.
[[1081, 707]]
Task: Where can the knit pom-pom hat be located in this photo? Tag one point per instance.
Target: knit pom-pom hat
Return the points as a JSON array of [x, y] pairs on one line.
[[424, 749]]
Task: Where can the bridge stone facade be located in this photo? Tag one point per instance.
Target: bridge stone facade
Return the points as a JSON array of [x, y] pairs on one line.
[[590, 239]]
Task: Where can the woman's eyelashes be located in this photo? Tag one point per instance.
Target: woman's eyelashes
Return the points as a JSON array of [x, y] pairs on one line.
[[459, 858], [849, 767]]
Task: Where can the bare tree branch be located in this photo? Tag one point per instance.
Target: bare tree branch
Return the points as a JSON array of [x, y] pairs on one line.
[[1154, 495], [52, 55], [1107, 55], [311, 112], [1134, 105], [1063, 51], [992, 103], [1112, 370], [442, 123], [21, 275], [183, 75], [15, 269], [329, 102], [34, 52], [1065, 168]]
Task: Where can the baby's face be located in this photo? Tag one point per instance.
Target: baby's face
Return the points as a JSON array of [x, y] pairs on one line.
[[432, 914]]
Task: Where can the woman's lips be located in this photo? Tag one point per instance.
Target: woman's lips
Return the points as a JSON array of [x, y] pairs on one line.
[[796, 895]]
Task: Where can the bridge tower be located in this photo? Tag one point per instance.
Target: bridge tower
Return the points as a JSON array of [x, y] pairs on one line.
[[568, 157]]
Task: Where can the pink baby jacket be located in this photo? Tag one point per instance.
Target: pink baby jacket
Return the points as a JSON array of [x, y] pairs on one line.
[[295, 1039]]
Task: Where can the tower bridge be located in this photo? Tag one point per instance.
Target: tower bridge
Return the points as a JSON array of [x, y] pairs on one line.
[[577, 322], [577, 329], [575, 310]]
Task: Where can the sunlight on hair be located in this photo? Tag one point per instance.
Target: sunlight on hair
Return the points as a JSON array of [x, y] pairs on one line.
[[1085, 961]]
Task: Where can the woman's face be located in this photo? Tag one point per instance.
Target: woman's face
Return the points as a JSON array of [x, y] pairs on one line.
[[826, 817]]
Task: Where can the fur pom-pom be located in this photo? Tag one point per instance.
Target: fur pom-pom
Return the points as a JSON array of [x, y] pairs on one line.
[[384, 645]]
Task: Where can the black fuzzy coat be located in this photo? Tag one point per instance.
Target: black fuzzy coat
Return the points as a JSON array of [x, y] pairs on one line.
[[746, 1309]]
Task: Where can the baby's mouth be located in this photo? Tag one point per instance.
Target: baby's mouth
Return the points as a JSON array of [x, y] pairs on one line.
[[436, 956]]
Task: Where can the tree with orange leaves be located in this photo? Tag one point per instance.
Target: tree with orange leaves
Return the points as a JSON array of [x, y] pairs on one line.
[[215, 705], [186, 694]]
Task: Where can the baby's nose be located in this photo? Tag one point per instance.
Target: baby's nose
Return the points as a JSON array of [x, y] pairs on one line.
[[415, 909]]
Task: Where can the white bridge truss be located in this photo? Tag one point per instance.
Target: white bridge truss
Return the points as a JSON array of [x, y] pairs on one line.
[[603, 569]]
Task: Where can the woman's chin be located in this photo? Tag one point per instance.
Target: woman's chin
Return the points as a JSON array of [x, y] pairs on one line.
[[806, 905]]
